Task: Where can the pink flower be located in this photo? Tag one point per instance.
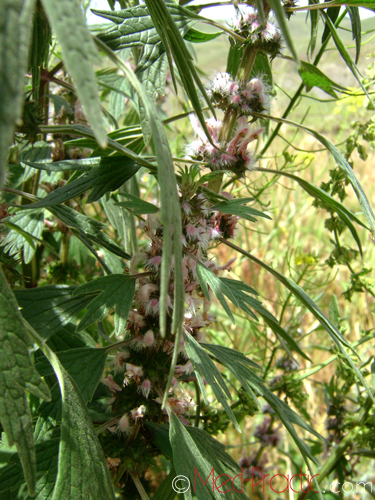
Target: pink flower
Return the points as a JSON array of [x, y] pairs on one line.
[[152, 307], [149, 339], [145, 388], [188, 368], [120, 359], [147, 290], [134, 371], [191, 232], [236, 99], [186, 208], [124, 424], [109, 382], [154, 262]]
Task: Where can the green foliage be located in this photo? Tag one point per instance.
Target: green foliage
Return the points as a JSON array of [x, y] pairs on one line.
[[118, 232]]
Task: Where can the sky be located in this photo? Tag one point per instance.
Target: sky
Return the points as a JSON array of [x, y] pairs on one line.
[[225, 12]]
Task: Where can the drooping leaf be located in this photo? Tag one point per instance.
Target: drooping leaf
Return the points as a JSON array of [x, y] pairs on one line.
[[136, 205], [79, 55], [112, 172], [206, 369], [17, 375], [116, 290], [345, 53], [237, 364], [49, 308], [238, 207], [14, 39], [277, 7], [24, 228], [300, 294], [313, 77], [342, 163], [355, 19], [88, 228], [196, 36]]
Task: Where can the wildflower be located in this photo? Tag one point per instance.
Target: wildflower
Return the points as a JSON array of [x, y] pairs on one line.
[[145, 388], [154, 262], [112, 463], [120, 359], [109, 382], [186, 369], [146, 290], [124, 424], [152, 307], [138, 413], [149, 339], [134, 371]]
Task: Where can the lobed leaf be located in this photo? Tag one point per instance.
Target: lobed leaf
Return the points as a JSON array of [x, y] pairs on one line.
[[116, 290]]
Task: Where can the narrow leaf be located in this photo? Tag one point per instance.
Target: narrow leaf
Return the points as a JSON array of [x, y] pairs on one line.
[[277, 7], [79, 55]]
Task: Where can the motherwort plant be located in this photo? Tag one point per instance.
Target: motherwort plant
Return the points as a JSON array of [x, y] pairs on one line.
[[118, 256]]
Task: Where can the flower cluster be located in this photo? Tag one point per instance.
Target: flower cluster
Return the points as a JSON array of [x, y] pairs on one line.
[[220, 154], [265, 37], [227, 93]]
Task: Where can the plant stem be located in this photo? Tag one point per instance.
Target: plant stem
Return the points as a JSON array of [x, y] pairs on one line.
[[198, 409], [300, 89], [139, 486]]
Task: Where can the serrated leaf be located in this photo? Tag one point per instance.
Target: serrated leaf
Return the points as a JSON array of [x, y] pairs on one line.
[[206, 368], [112, 172], [238, 207], [196, 36], [277, 7], [355, 19], [65, 339], [79, 55], [237, 364], [17, 375], [14, 40], [25, 227], [136, 205], [49, 308], [116, 290], [313, 77]]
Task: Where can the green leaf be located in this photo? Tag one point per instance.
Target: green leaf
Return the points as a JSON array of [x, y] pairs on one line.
[[49, 308], [109, 176], [25, 226], [79, 55], [262, 67], [333, 14], [89, 229], [234, 59], [277, 7], [314, 17], [196, 36], [300, 294], [82, 470], [206, 276], [165, 490], [83, 165], [176, 48], [234, 290], [313, 77], [136, 205], [332, 204], [206, 368], [11, 476], [342, 163], [344, 53], [117, 290], [355, 19], [238, 364], [17, 375], [334, 312], [15, 18], [238, 207], [187, 458]]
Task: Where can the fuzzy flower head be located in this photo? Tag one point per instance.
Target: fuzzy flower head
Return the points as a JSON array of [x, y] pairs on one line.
[[145, 388], [265, 37], [124, 424]]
